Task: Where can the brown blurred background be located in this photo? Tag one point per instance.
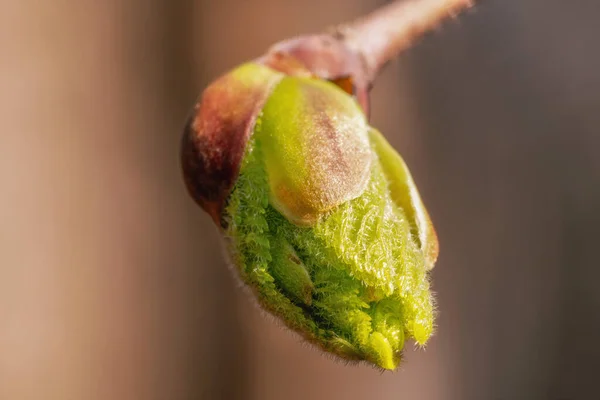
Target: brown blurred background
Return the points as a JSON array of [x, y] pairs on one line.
[[112, 282]]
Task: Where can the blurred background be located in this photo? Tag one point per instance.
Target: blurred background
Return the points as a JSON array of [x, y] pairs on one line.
[[112, 281]]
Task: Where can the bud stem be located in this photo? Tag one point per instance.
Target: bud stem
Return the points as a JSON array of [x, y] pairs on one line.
[[383, 34]]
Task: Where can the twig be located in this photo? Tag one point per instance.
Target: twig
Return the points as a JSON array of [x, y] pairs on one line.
[[383, 34]]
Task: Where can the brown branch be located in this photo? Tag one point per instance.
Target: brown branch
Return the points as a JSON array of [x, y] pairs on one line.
[[383, 34]]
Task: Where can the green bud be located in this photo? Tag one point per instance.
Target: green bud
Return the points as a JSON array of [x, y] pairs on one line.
[[322, 218]]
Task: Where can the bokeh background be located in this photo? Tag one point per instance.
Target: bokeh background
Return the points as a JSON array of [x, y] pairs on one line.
[[112, 281]]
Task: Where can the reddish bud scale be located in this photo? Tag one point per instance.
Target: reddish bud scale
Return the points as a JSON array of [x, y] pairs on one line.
[[216, 134]]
